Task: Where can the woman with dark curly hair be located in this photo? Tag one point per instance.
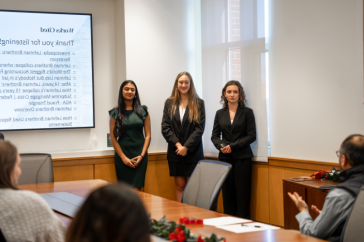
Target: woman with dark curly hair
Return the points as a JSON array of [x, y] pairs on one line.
[[111, 213], [233, 132], [127, 122]]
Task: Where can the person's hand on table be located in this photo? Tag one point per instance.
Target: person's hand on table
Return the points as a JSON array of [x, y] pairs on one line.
[[297, 199]]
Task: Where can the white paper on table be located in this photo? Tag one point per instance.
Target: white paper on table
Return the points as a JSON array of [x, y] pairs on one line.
[[249, 227], [220, 221]]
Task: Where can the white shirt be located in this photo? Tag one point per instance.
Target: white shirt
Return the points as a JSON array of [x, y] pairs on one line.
[[181, 113]]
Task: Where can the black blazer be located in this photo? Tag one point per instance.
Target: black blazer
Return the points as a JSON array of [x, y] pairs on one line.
[[238, 135], [188, 134]]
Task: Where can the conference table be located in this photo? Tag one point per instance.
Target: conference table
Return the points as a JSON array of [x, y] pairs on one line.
[[159, 207]]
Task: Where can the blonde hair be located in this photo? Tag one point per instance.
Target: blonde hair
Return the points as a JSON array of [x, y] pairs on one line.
[[193, 104]]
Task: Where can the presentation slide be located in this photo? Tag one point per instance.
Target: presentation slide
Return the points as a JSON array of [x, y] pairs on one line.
[[46, 71]]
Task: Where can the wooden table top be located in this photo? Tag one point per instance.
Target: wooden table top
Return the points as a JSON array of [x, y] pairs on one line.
[[314, 184], [158, 207]]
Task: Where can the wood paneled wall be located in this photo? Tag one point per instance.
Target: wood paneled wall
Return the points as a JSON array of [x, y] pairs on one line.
[[283, 168], [267, 185]]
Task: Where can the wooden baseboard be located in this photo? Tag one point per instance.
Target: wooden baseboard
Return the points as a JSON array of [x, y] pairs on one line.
[[284, 168]]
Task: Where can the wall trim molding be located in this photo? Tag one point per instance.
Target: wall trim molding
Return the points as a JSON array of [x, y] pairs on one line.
[[82, 158], [272, 161], [103, 159], [301, 164]]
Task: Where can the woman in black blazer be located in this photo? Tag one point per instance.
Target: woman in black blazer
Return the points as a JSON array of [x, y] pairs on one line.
[[183, 124], [235, 123]]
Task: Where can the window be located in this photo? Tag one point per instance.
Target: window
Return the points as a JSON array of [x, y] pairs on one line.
[[233, 48]]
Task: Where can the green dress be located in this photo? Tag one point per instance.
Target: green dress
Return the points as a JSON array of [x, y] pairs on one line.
[[131, 143]]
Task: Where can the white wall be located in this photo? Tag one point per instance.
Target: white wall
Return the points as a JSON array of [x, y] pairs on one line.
[[316, 70], [316, 76], [158, 38], [108, 39], [159, 45]]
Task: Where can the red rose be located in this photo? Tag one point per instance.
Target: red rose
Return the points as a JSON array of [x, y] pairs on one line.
[[319, 174], [186, 221], [177, 230], [200, 239], [181, 237], [172, 236]]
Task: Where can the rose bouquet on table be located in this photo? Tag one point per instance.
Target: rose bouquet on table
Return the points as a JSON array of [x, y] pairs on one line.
[[178, 232], [332, 176]]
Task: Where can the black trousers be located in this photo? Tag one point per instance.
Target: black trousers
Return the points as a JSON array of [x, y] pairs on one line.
[[236, 189]]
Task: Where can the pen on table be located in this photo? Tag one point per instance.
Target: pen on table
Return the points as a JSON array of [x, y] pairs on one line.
[[256, 226]]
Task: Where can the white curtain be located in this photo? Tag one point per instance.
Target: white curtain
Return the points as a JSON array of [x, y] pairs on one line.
[[233, 48]]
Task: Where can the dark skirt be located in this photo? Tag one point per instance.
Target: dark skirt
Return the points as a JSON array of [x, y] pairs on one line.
[[135, 177], [181, 169]]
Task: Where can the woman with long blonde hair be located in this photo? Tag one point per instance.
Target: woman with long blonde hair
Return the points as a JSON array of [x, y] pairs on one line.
[[183, 124]]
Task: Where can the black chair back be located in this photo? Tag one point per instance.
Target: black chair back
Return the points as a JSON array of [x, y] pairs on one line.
[[205, 183]]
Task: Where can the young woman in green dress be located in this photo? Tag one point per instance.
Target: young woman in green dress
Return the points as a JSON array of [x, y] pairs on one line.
[[127, 122]]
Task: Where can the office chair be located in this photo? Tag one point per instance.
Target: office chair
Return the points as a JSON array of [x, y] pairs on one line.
[[353, 229], [205, 184], [36, 168]]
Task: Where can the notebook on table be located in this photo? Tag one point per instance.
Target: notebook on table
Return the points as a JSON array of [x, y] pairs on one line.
[[64, 202]]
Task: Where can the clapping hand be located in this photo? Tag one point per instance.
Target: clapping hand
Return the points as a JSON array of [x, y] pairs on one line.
[[297, 199], [314, 208]]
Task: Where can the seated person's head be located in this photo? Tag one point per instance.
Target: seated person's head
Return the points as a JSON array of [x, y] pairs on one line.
[[112, 213], [9, 165], [351, 152]]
